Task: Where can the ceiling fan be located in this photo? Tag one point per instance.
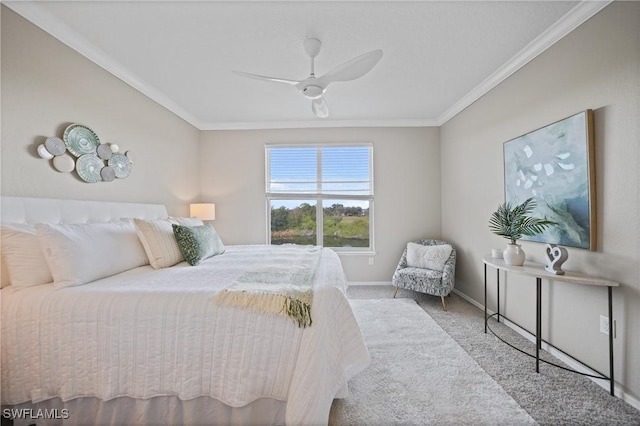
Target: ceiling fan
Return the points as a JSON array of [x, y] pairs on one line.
[[314, 87]]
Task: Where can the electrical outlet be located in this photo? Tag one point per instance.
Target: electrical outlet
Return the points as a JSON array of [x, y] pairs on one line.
[[371, 260], [604, 325]]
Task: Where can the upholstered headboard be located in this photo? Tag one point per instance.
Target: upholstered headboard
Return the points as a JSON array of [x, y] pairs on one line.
[[50, 210]]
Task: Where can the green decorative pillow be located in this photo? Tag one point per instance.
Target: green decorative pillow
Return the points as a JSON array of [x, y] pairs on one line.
[[197, 242]]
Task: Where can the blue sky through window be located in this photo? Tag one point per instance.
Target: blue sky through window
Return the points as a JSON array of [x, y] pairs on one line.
[[345, 170], [291, 204]]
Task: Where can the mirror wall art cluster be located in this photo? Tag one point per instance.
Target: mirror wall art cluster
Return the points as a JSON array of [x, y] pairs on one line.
[[80, 150]]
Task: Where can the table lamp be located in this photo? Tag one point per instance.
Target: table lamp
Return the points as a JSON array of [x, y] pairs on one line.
[[203, 211]]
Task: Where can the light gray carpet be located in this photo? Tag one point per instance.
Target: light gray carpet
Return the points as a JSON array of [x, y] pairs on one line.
[[419, 375], [552, 397]]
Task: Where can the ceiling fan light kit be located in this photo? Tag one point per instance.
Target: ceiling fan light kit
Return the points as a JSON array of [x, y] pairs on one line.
[[312, 92], [314, 87]]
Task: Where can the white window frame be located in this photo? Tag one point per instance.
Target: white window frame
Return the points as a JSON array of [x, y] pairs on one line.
[[319, 198]]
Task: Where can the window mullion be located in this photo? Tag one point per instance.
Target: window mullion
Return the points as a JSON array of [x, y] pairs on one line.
[[319, 203]]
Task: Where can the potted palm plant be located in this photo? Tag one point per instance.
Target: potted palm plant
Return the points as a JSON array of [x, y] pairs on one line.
[[512, 222]]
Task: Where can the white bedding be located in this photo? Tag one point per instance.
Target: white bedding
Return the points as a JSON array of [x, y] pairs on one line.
[[146, 333]]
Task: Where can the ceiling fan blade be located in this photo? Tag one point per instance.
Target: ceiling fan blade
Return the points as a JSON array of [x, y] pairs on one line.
[[352, 69], [265, 78], [320, 108]]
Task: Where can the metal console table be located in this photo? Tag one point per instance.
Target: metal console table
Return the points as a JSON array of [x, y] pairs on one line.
[[537, 271]]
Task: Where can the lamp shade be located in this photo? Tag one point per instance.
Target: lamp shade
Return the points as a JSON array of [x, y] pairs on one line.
[[203, 211]]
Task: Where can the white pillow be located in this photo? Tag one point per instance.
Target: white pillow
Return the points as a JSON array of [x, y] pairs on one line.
[[428, 257], [4, 275], [159, 242], [186, 221], [25, 261], [81, 253]]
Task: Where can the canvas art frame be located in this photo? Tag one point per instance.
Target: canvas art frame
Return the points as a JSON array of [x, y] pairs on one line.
[[555, 165]]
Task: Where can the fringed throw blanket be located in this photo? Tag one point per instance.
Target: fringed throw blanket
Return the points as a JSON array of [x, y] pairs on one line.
[[281, 283]]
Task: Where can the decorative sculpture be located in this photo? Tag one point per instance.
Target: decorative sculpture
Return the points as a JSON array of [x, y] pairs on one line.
[[556, 256]]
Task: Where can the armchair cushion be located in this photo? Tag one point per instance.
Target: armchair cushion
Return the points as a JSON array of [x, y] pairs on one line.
[[428, 257], [420, 279]]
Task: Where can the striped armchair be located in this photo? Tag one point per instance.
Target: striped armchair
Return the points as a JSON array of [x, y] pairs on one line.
[[423, 280]]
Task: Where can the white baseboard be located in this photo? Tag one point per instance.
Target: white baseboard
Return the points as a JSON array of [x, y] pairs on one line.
[[355, 283], [576, 365], [468, 299]]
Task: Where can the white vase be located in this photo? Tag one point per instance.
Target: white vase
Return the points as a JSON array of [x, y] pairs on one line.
[[513, 255]]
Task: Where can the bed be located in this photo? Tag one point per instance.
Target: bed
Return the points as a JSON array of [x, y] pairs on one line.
[[152, 346]]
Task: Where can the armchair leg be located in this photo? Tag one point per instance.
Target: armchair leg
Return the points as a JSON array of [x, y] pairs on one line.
[[444, 304], [395, 292]]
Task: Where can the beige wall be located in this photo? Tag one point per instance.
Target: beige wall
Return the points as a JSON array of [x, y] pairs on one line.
[[406, 175], [595, 67], [46, 86]]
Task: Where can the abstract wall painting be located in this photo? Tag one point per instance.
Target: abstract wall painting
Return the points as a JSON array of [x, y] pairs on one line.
[[555, 165]]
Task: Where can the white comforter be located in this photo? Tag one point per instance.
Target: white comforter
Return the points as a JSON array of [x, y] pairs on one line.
[[146, 333]]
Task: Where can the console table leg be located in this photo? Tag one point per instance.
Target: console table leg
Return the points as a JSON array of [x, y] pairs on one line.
[[611, 382], [538, 322], [498, 291], [485, 298]]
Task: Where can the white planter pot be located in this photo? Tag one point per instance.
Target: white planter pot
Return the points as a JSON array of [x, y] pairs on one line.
[[513, 255]]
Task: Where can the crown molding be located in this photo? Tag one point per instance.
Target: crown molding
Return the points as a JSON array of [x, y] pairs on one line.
[[320, 123], [569, 22]]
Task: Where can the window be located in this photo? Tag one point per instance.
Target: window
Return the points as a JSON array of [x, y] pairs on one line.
[[320, 194]]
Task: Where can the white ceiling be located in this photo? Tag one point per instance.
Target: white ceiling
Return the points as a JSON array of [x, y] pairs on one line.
[[439, 57]]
